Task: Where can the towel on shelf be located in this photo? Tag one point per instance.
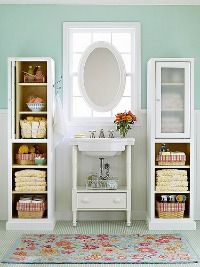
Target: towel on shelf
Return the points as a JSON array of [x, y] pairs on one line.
[[171, 178], [30, 179], [172, 183], [59, 122], [172, 189]]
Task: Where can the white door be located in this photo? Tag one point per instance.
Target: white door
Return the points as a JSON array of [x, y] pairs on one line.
[[173, 99]]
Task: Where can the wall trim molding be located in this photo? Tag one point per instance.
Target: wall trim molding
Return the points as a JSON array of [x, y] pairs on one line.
[[3, 111], [104, 2]]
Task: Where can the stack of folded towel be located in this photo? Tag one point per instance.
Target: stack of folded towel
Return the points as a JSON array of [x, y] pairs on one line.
[[30, 180], [172, 180]]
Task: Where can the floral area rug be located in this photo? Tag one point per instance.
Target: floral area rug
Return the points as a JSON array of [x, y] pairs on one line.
[[102, 248]]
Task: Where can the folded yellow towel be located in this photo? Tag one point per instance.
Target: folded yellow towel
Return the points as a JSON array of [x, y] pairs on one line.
[[30, 184], [30, 179], [30, 173], [30, 188]]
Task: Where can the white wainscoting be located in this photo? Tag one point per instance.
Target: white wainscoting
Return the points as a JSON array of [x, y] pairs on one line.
[[3, 164], [64, 174]]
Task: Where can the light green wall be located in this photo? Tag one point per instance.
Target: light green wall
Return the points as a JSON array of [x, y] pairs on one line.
[[36, 30]]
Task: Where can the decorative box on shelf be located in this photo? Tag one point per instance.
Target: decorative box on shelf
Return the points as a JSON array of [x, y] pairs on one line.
[[171, 158], [167, 210], [28, 159]]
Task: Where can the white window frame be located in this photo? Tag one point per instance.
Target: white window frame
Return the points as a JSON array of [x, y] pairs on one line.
[[134, 28]]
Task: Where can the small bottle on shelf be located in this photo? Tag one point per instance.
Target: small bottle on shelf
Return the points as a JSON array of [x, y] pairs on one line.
[[30, 70]]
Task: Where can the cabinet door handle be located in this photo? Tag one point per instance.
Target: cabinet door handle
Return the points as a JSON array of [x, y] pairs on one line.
[[85, 200], [158, 99], [117, 200]]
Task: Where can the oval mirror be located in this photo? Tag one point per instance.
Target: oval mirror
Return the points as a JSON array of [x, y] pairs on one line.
[[102, 76]]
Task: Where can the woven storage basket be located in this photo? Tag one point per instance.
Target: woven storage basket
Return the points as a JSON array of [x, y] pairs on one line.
[[31, 210], [171, 160], [170, 210], [28, 159], [30, 214]]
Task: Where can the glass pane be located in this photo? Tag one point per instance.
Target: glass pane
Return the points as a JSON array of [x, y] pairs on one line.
[[172, 100], [122, 41], [81, 41], [102, 114], [127, 61], [106, 37], [124, 105], [75, 64], [75, 86], [127, 91], [172, 122], [173, 75], [80, 108]]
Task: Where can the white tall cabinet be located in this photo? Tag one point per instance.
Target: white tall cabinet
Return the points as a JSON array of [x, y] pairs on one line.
[[19, 91], [170, 121]]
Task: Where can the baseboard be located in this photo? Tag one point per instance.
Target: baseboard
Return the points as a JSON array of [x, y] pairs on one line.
[[95, 216], [3, 215], [197, 216]]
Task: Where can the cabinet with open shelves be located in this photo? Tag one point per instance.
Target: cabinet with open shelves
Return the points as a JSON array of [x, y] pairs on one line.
[[30, 137], [170, 122]]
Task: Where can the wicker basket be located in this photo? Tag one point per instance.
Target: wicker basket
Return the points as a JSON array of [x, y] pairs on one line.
[[31, 210], [30, 214], [171, 160], [170, 210], [28, 159]]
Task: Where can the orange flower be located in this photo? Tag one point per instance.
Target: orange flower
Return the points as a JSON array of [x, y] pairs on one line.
[[129, 118]]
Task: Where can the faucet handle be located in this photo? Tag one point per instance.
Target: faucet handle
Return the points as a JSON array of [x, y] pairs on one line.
[[111, 134], [92, 133], [101, 134]]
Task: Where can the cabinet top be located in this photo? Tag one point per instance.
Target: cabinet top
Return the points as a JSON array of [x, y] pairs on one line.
[[30, 59], [173, 59]]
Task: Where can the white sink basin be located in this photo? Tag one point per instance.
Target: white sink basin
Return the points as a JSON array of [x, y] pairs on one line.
[[102, 146]]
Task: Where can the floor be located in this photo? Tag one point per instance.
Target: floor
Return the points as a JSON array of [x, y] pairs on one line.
[[7, 238]]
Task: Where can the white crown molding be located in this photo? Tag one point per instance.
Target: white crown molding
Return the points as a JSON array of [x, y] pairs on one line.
[[104, 2]]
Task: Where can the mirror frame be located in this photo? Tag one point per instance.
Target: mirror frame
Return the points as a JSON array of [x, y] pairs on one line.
[[122, 78]]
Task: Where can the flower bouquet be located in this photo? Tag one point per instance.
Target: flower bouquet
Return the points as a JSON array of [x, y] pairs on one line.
[[123, 121]]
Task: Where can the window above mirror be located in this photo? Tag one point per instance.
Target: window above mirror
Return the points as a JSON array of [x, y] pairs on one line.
[[125, 38]]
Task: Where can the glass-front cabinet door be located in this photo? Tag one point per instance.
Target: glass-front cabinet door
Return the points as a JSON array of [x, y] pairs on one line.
[[173, 99]]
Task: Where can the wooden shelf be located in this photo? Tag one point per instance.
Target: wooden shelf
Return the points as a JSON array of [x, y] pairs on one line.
[[33, 140], [120, 189], [34, 192], [172, 84], [17, 166], [32, 84], [33, 112], [172, 166], [172, 192]]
